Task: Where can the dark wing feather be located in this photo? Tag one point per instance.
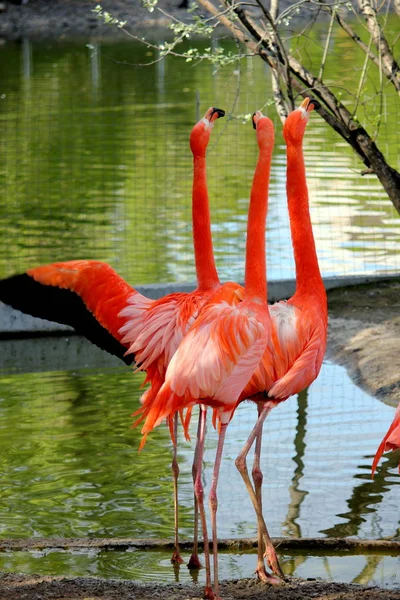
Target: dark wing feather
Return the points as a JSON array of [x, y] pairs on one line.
[[61, 306]]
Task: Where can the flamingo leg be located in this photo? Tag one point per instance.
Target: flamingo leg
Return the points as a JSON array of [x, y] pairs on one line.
[[199, 492], [257, 480], [176, 556], [241, 465], [194, 561], [213, 502]]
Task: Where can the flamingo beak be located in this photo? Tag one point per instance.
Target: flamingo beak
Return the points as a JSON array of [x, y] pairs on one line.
[[308, 105], [256, 117], [314, 104], [217, 113], [303, 108]]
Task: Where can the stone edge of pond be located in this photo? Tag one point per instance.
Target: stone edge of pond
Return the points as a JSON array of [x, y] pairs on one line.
[[354, 545]]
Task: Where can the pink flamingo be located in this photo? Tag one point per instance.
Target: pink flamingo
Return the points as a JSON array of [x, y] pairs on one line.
[[225, 344], [299, 326], [294, 348]]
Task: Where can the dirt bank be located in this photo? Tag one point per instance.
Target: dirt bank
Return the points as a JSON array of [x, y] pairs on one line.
[[364, 336], [15, 587]]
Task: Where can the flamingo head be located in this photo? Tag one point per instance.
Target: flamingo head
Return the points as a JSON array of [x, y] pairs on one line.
[[200, 135], [264, 129], [295, 124]]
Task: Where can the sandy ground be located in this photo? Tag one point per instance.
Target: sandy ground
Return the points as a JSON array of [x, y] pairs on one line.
[[14, 587], [364, 336]]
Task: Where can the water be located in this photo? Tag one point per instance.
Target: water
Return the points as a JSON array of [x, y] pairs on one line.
[[70, 468], [96, 163]]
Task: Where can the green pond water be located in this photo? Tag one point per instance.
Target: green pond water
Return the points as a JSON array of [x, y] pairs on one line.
[[96, 164], [70, 468]]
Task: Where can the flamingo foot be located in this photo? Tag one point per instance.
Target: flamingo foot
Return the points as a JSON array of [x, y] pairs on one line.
[[273, 563], [267, 578], [176, 558], [209, 594], [194, 562]]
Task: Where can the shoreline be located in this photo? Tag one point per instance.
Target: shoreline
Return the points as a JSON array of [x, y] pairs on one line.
[[73, 20]]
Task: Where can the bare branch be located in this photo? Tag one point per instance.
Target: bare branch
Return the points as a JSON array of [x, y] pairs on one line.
[[327, 42], [274, 9], [389, 65], [281, 50], [356, 38], [279, 98], [362, 79]]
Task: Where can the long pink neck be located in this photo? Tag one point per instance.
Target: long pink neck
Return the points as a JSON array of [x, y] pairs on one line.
[[255, 270], [207, 276], [308, 276]]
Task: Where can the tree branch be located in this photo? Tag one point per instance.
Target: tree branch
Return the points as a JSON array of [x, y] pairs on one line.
[[389, 65], [331, 110]]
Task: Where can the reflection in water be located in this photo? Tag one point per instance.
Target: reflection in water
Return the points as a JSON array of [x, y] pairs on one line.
[[95, 71], [291, 527], [97, 165], [363, 500], [26, 58], [368, 572], [365, 569], [70, 467]]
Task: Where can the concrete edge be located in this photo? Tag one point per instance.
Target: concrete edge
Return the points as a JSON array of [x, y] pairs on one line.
[[13, 322]]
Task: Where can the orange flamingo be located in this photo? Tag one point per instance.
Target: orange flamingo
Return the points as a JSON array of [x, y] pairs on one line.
[[391, 441], [91, 297], [296, 346], [225, 344], [299, 326]]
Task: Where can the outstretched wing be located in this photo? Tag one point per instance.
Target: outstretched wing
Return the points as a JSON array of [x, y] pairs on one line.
[[87, 295]]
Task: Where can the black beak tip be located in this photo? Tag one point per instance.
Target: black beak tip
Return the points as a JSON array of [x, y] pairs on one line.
[[315, 103], [252, 120], [218, 111]]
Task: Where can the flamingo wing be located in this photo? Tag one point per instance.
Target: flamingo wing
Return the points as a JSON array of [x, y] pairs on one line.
[[154, 329], [302, 348], [213, 363], [87, 295]]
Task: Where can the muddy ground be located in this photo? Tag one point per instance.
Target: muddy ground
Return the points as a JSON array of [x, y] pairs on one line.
[[364, 336], [14, 587]]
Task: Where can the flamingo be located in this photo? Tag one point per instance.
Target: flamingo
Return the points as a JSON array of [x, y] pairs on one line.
[[391, 441], [225, 344], [299, 327], [91, 297], [294, 352]]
